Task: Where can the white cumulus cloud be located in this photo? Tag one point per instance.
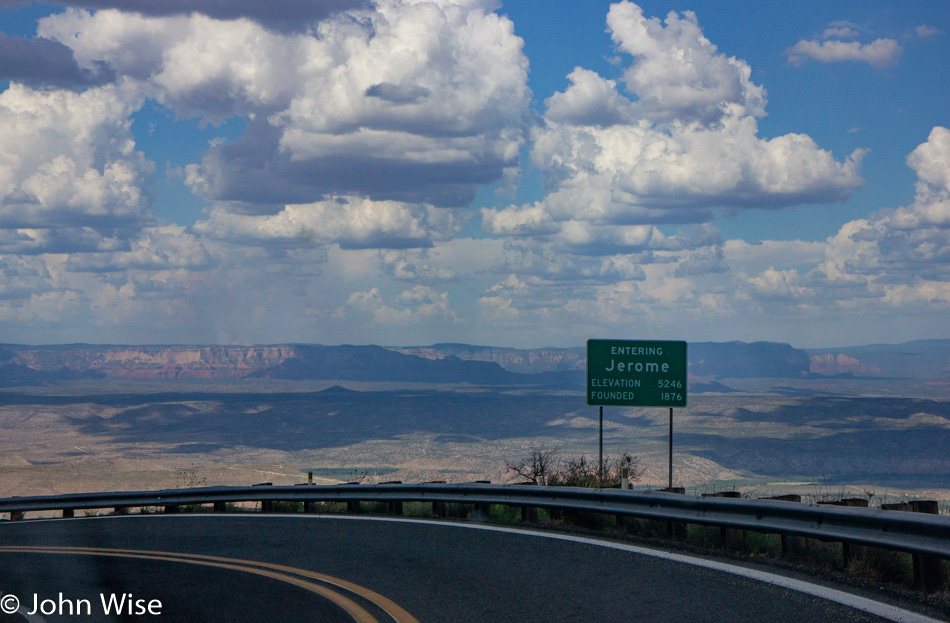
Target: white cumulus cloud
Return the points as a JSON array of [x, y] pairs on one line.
[[288, 15], [412, 101], [351, 222], [416, 305], [68, 160], [878, 53], [674, 141], [677, 73], [899, 256]]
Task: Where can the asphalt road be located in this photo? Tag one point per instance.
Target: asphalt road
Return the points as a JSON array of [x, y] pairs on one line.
[[267, 569]]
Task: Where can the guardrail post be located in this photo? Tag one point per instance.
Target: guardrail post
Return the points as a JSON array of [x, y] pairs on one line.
[[353, 506], [68, 513], [529, 514], [929, 575], [675, 529], [849, 551], [620, 520], [16, 515], [395, 506], [220, 507], [729, 538], [791, 544], [267, 506], [482, 509], [120, 510], [172, 508], [438, 508], [309, 506]]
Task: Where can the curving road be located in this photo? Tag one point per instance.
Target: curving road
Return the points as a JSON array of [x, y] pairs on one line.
[[329, 569]]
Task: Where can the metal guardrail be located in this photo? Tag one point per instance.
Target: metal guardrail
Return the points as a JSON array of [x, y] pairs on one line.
[[909, 532]]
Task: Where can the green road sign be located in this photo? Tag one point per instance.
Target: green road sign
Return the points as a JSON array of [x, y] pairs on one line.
[[636, 373]]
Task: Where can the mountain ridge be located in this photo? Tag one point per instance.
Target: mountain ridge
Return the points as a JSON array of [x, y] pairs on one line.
[[449, 362]]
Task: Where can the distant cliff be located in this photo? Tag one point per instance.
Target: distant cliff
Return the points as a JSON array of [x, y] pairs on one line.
[[21, 365], [373, 363], [527, 361], [922, 359], [147, 362], [448, 363], [705, 359], [746, 360]]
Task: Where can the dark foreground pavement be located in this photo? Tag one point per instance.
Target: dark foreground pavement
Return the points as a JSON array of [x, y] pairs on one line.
[[433, 572]]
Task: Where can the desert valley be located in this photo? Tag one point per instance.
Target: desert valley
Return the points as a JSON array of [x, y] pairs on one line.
[[762, 418]]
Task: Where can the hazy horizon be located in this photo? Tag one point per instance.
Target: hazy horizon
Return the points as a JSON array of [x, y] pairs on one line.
[[581, 346]]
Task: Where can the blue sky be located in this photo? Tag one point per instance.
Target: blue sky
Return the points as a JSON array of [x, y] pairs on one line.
[[527, 174]]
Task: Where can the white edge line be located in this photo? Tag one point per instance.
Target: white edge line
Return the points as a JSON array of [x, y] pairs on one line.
[[887, 611]]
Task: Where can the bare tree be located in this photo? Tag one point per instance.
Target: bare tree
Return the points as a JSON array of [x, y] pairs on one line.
[[613, 469], [544, 466], [188, 478], [538, 467], [575, 472]]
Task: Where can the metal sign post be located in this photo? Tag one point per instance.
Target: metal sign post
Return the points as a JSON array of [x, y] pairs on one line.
[[635, 373], [600, 453], [671, 450]]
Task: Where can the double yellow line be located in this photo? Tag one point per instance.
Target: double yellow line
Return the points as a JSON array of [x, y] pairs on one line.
[[291, 575]]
